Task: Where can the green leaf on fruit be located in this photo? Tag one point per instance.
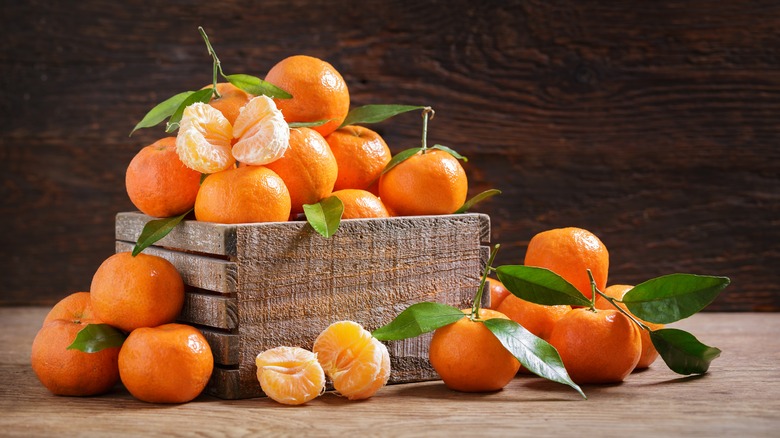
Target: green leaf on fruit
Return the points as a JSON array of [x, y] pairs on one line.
[[682, 352], [325, 216], [375, 113], [155, 230], [96, 337], [258, 87], [162, 111], [294, 125], [418, 319], [540, 286], [400, 158], [673, 297], [477, 199], [450, 151], [203, 96], [534, 353]]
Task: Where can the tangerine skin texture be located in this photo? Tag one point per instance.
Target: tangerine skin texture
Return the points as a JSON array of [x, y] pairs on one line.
[[361, 155], [536, 318], [597, 347], [498, 292], [469, 358], [130, 292], [360, 204], [171, 363], [231, 100], [75, 307]]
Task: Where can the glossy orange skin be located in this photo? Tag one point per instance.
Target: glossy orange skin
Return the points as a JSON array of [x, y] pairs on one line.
[[158, 183], [231, 100], [171, 363], [243, 195], [536, 318], [361, 155], [424, 184], [497, 293], [469, 358], [360, 204], [130, 292], [75, 307], [597, 347]]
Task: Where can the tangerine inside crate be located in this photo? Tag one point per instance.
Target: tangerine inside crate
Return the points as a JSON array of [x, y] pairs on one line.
[[251, 287]]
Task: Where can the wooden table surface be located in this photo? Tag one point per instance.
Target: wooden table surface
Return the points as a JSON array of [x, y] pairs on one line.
[[740, 396]]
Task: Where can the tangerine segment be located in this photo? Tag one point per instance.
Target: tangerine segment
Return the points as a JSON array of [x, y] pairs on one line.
[[356, 362], [263, 135], [290, 375], [204, 139]]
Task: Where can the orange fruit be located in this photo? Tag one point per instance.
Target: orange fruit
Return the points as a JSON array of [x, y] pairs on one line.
[[360, 204], [261, 132], [601, 346], [230, 101], [308, 168], [424, 184], [241, 195], [536, 318], [498, 292], [319, 92], [204, 142], [570, 252], [290, 375], [171, 363], [130, 292], [469, 358], [72, 372], [158, 183], [649, 353], [361, 155], [355, 361]]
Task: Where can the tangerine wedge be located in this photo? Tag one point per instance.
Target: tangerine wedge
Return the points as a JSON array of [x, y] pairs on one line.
[[290, 375]]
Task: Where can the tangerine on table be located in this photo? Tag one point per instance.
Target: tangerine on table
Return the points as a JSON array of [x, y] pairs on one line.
[[171, 363], [230, 101], [204, 141], [360, 204], [290, 375], [433, 182], [536, 318], [468, 356], [361, 155], [241, 195]]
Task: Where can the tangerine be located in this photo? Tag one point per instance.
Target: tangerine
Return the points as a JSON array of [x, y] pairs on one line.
[[536, 318], [204, 142], [230, 101], [261, 132], [75, 307], [497, 292], [361, 155], [360, 204], [290, 375], [241, 195]]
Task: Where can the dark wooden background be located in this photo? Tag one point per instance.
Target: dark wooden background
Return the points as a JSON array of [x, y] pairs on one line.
[[654, 124]]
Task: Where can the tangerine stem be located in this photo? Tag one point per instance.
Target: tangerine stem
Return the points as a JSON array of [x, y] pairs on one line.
[[478, 296], [426, 111], [613, 301], [217, 66], [593, 290]]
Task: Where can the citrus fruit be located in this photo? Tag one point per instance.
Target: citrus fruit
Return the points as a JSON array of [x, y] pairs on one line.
[[498, 292], [158, 183], [536, 318], [290, 375], [360, 204], [601, 346], [130, 292], [355, 361], [319, 92], [308, 168], [204, 141], [171, 363], [261, 132], [425, 184], [649, 353], [468, 357], [361, 155], [570, 252], [230, 101], [71, 372], [242, 195]]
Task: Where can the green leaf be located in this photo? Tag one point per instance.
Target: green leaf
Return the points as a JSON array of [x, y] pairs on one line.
[[536, 354], [293, 125], [162, 111], [476, 199], [325, 216], [96, 337], [418, 319], [540, 285], [375, 113], [450, 151], [673, 297], [400, 158], [257, 86], [203, 96], [155, 230], [682, 352]]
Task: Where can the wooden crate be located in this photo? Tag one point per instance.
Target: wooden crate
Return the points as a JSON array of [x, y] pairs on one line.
[[251, 287]]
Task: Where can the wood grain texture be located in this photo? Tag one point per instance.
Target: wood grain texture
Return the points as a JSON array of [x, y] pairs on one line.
[[652, 124], [736, 398]]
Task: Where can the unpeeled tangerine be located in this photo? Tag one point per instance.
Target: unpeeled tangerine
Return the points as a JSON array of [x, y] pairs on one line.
[[262, 133], [290, 375], [204, 139]]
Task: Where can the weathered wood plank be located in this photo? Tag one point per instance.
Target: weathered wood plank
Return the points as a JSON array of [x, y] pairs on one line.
[[210, 310], [189, 235], [224, 346]]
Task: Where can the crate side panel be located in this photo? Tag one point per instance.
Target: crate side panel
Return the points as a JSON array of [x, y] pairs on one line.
[[189, 235]]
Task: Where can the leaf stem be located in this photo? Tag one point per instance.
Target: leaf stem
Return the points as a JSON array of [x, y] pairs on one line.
[[425, 114], [478, 296], [593, 290], [217, 68]]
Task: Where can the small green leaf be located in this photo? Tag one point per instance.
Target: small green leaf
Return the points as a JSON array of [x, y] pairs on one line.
[[203, 96], [536, 354], [450, 151], [162, 111], [325, 216], [257, 86], [682, 352], [476, 199], [293, 125], [418, 319], [540, 286], [96, 337], [155, 230], [375, 113], [400, 158], [673, 297]]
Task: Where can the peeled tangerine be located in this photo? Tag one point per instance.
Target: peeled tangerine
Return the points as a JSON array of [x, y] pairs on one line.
[[204, 139], [262, 133], [290, 375], [356, 362]]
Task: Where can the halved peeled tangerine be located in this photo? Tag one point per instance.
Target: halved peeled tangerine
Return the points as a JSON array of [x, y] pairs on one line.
[[290, 375], [204, 139], [356, 362], [261, 132]]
